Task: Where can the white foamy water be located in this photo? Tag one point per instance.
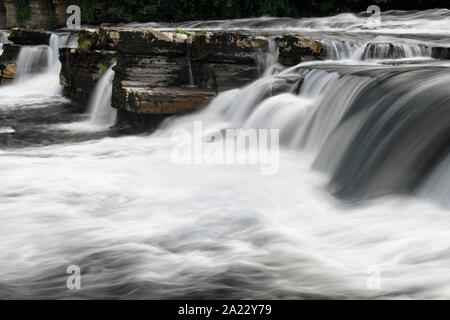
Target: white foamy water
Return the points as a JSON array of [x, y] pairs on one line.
[[360, 197], [101, 115], [140, 226], [37, 76]]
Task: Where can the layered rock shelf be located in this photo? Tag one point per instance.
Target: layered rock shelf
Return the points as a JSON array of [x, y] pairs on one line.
[[159, 74]]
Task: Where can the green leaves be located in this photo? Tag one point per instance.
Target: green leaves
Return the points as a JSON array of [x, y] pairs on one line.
[[23, 10]]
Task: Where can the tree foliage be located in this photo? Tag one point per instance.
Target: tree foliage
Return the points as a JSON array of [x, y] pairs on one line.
[[97, 11]]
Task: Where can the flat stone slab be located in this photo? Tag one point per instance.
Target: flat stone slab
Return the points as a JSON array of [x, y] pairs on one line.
[[166, 101], [29, 37]]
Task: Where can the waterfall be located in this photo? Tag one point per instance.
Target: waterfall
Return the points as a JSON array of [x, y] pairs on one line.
[[37, 73], [341, 50], [32, 60], [436, 187], [395, 51], [268, 58], [362, 186], [369, 140], [100, 110], [188, 62], [3, 39]]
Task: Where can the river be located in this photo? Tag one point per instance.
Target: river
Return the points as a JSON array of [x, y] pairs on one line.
[[359, 206]]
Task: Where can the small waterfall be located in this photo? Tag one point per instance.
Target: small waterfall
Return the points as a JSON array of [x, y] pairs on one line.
[[341, 50], [100, 110], [3, 39], [188, 61], [395, 51], [37, 73], [437, 186], [370, 139], [4, 36], [269, 58], [32, 60]]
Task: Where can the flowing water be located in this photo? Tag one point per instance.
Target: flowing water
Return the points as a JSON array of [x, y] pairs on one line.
[[100, 110], [358, 209], [3, 39]]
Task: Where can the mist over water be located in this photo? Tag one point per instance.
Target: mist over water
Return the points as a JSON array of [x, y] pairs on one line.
[[363, 184]]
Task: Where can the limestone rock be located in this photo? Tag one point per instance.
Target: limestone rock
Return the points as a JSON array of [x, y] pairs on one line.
[[8, 62], [165, 101], [149, 42], [227, 47], [295, 49], [80, 71]]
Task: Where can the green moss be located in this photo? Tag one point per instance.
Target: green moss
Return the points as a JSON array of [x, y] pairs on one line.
[[102, 39], [115, 59], [102, 69], [85, 45], [181, 32]]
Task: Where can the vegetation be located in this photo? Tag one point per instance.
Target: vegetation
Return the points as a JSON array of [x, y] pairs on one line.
[[84, 45], [182, 32], [23, 10], [102, 69], [97, 11]]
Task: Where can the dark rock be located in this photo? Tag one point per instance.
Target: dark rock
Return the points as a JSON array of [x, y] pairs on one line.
[[295, 49], [223, 76], [29, 36], [166, 101], [148, 42], [440, 52], [227, 47], [81, 70]]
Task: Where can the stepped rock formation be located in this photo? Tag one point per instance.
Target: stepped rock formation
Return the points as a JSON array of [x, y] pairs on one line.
[[164, 73]]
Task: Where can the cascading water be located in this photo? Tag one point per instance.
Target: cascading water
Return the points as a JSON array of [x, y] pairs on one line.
[[37, 74], [3, 39], [189, 65], [141, 226], [32, 60], [268, 59], [100, 110]]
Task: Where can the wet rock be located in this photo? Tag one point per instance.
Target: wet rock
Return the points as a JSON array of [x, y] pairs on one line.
[[159, 74], [165, 101], [155, 85], [148, 42], [295, 49], [440, 52], [94, 39], [29, 36], [80, 71], [8, 62], [227, 47], [223, 76]]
